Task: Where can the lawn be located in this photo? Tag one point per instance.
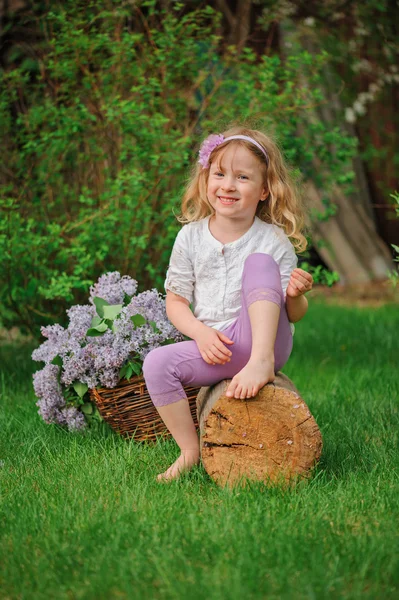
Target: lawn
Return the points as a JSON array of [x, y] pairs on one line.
[[82, 516]]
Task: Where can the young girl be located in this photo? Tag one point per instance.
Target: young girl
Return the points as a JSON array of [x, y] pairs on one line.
[[234, 262]]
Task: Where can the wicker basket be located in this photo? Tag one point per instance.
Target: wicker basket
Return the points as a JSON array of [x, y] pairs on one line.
[[129, 410]]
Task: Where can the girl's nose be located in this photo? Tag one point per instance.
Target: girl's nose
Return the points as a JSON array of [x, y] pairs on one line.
[[228, 184]]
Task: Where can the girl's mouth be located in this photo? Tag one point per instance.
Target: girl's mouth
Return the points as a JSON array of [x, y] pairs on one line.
[[227, 200]]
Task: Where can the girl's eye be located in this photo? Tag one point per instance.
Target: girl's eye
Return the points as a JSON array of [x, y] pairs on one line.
[[219, 174]]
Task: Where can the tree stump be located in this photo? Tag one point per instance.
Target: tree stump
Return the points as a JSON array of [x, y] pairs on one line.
[[272, 437]]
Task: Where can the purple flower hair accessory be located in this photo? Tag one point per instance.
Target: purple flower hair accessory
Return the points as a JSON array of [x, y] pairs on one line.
[[207, 146]]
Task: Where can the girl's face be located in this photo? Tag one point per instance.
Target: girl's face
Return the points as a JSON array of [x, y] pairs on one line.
[[236, 186]]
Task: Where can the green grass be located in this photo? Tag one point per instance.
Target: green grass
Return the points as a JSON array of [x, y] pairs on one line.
[[83, 517]]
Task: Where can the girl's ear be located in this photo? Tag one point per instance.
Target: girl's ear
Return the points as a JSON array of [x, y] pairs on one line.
[[265, 193]]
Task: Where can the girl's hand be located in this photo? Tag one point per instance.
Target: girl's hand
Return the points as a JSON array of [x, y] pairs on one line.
[[211, 346], [300, 282]]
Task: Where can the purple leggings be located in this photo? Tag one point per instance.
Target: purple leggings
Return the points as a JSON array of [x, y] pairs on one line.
[[167, 369]]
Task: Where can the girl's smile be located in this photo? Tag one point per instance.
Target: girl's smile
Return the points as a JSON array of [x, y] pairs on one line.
[[227, 200]]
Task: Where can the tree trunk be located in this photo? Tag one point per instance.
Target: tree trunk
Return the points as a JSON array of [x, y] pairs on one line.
[[271, 437], [238, 20], [348, 242]]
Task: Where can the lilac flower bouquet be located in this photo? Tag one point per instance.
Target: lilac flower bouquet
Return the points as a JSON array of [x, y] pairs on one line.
[[105, 341]]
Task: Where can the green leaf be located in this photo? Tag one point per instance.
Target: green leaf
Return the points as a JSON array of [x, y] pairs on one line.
[[138, 320], [126, 299], [98, 330], [154, 326], [112, 311], [93, 333], [100, 303], [57, 360], [96, 415], [136, 368], [80, 388], [95, 321], [123, 370], [87, 408]]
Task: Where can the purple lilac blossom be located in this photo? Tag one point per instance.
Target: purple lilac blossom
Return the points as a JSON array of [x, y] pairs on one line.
[[74, 419], [96, 361], [112, 288], [80, 317], [51, 401]]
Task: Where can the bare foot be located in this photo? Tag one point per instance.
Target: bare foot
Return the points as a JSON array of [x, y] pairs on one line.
[[184, 463], [251, 378]]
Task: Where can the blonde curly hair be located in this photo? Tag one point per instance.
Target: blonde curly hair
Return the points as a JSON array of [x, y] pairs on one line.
[[283, 206]]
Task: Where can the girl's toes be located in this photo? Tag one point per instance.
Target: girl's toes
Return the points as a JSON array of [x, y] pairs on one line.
[[238, 392], [230, 392], [232, 389]]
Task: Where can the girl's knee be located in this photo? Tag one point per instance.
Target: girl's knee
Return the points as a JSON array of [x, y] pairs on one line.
[[258, 263], [261, 272], [260, 259], [155, 361]]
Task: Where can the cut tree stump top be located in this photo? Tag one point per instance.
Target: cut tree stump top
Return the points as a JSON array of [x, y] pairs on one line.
[[271, 437]]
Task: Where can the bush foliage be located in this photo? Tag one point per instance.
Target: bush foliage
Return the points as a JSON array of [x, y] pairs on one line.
[[100, 128]]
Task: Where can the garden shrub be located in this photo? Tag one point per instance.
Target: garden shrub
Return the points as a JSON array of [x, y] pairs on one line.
[[99, 134]]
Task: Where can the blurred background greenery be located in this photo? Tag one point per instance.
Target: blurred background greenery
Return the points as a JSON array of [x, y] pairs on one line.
[[103, 106]]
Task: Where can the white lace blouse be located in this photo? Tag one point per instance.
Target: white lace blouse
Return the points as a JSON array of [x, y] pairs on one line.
[[208, 273]]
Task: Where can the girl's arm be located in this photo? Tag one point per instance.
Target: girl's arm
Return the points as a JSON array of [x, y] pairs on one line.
[[180, 315], [296, 308], [296, 303]]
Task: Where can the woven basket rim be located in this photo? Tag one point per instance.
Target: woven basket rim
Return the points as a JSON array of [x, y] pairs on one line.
[[122, 381]]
